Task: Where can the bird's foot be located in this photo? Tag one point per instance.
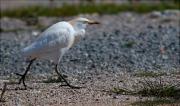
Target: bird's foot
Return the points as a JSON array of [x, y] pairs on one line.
[[22, 79]]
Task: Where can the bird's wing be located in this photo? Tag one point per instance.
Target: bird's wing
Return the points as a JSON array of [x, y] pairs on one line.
[[49, 41]]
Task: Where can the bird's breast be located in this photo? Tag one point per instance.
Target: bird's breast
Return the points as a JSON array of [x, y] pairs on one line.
[[71, 40]]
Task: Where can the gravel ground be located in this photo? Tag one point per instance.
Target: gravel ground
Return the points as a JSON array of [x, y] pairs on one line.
[[126, 42]]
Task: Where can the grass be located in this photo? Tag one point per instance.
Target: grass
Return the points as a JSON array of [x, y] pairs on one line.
[[71, 10], [151, 88], [156, 102], [129, 44], [158, 88], [149, 74], [164, 93]]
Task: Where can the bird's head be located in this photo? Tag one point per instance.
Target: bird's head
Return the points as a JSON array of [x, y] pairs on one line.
[[82, 22]]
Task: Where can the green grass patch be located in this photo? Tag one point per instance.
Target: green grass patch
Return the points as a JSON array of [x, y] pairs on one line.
[[160, 91], [71, 10], [151, 88], [158, 88], [11, 30], [156, 102], [149, 74], [129, 44]]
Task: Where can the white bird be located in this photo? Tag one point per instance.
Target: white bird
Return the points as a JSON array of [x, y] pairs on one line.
[[54, 42]]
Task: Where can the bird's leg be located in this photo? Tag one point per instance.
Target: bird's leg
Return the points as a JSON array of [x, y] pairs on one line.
[[61, 76], [22, 79], [3, 91]]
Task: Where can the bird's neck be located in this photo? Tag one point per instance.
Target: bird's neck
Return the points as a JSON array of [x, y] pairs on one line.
[[79, 31], [77, 26]]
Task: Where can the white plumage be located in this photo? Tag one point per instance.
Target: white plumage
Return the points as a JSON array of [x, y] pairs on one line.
[[52, 43], [57, 39]]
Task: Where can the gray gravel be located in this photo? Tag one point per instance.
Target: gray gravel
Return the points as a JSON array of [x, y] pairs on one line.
[[124, 42]]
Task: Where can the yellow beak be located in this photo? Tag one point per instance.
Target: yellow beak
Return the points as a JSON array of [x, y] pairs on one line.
[[93, 22]]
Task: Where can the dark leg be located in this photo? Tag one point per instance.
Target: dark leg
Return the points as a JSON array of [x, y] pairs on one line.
[[61, 77], [2, 93], [22, 79]]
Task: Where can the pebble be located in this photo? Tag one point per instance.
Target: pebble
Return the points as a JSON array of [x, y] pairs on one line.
[[105, 50]]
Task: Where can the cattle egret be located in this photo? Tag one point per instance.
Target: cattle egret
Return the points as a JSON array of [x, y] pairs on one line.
[[54, 42]]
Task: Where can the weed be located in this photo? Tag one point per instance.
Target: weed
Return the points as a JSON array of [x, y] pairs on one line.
[[71, 10], [158, 88], [155, 102], [129, 44], [152, 88]]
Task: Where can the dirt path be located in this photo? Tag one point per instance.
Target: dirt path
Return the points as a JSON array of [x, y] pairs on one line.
[[95, 93]]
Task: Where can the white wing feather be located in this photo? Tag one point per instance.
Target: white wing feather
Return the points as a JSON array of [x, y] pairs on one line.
[[50, 42]]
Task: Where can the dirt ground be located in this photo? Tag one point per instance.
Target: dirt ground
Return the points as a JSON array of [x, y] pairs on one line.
[[95, 92]]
